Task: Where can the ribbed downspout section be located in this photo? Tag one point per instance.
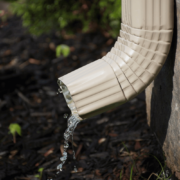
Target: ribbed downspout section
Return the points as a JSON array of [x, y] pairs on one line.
[[132, 64]]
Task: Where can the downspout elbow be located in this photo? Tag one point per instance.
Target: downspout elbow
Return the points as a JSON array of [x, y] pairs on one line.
[[132, 64]]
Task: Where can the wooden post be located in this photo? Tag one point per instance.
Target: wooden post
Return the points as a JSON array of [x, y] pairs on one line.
[[163, 101]]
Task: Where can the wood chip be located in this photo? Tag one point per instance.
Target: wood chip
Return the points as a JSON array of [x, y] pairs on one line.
[[101, 140], [79, 150], [34, 61], [48, 152]]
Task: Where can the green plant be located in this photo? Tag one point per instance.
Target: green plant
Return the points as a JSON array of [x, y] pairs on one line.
[[40, 170], [44, 15], [162, 173], [121, 174], [131, 174], [129, 153], [62, 49], [134, 164], [13, 129]]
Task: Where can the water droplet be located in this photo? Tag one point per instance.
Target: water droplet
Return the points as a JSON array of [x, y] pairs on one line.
[[66, 146], [59, 166], [74, 156], [59, 91], [63, 158], [75, 169], [65, 116]]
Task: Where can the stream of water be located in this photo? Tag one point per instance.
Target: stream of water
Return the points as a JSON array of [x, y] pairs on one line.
[[71, 125]]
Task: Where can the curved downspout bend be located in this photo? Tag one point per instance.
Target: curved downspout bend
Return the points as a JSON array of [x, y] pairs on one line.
[[132, 64]]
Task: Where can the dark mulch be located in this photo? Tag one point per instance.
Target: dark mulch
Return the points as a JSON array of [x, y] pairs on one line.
[[113, 143]]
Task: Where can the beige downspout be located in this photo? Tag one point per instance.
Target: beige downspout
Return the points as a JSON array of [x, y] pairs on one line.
[[132, 64]]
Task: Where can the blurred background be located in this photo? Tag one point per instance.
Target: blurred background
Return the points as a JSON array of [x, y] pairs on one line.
[[41, 40], [69, 16]]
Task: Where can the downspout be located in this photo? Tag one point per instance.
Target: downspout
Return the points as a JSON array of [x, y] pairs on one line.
[[132, 64]]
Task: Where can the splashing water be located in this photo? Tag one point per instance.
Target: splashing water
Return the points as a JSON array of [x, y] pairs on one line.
[[71, 123]]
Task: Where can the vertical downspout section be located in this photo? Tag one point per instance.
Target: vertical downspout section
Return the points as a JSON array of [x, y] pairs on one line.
[[132, 64]]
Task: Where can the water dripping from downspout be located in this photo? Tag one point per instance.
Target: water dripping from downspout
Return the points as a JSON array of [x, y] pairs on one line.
[[72, 122]]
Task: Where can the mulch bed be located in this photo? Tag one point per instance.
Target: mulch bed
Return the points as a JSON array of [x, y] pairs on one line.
[[113, 144]]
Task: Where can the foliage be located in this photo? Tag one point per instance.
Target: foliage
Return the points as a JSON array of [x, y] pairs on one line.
[[44, 15], [40, 170], [15, 128], [162, 174], [62, 49], [121, 174], [131, 174]]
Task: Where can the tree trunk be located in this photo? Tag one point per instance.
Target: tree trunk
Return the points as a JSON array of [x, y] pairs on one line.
[[163, 101]]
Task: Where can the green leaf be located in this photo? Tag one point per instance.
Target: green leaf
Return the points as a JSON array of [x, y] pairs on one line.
[[131, 174], [162, 169], [64, 49], [58, 51], [15, 128], [121, 174], [37, 175], [40, 170]]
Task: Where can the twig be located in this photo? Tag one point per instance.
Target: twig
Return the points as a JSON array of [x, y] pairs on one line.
[[14, 138], [153, 174], [50, 170], [79, 149], [39, 114], [24, 98]]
